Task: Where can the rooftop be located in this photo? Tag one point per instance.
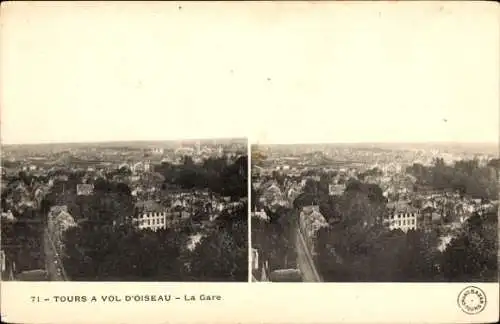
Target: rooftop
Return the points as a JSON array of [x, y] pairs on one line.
[[149, 206]]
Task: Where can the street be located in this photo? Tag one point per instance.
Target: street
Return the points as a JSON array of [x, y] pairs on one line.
[[304, 261], [52, 261]]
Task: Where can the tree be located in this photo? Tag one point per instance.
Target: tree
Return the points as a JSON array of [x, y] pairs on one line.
[[472, 255], [466, 176], [123, 253], [218, 258], [345, 248]]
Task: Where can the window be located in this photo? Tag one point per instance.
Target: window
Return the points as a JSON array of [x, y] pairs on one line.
[[404, 222]]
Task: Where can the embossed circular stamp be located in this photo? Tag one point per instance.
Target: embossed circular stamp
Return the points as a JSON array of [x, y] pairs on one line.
[[472, 300]]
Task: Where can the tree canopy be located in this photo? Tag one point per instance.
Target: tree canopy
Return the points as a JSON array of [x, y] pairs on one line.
[[466, 176]]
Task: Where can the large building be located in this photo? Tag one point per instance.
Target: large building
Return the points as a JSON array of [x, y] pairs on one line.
[[152, 215], [402, 216]]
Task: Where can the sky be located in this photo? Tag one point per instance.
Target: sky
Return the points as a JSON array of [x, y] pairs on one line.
[[274, 72]]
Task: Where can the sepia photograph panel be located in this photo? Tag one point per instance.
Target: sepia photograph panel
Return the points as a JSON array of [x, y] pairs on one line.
[[375, 212], [125, 211]]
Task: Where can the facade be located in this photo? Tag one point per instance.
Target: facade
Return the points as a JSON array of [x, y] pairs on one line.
[[260, 268], [151, 215], [157, 150], [59, 221], [402, 216], [151, 220], [140, 167], [84, 189], [8, 216], [255, 259], [336, 189], [2, 260], [310, 222], [286, 275], [260, 214]]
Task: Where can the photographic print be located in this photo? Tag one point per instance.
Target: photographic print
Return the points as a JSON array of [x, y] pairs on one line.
[[131, 211], [375, 212], [121, 159]]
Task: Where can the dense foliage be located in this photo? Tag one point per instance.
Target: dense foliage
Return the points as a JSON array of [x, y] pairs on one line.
[[274, 239], [215, 174], [357, 248], [472, 255], [223, 254], [467, 177], [97, 250], [22, 244]]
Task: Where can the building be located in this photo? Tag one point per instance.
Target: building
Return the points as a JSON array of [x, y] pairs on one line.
[[8, 216], [59, 221], [255, 259], [260, 268], [157, 150], [402, 216], [84, 189], [429, 218], [261, 214], [286, 275], [336, 189], [140, 167], [2, 260], [310, 222], [152, 215], [33, 275]]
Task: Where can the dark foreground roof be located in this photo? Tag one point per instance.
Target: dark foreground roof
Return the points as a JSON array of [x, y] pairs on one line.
[[287, 275], [33, 275]]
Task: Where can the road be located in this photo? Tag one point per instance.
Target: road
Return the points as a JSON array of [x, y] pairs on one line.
[[52, 261], [304, 260]]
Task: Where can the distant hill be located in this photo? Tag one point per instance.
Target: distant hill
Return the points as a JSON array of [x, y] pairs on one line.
[[122, 144], [452, 147]]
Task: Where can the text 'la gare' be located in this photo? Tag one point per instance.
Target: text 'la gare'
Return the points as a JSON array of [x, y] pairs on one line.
[[135, 298]]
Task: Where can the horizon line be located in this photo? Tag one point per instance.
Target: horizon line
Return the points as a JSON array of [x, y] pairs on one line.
[[130, 141], [379, 142]]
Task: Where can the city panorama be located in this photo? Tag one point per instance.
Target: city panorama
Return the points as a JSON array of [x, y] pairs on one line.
[[375, 212], [125, 211]]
